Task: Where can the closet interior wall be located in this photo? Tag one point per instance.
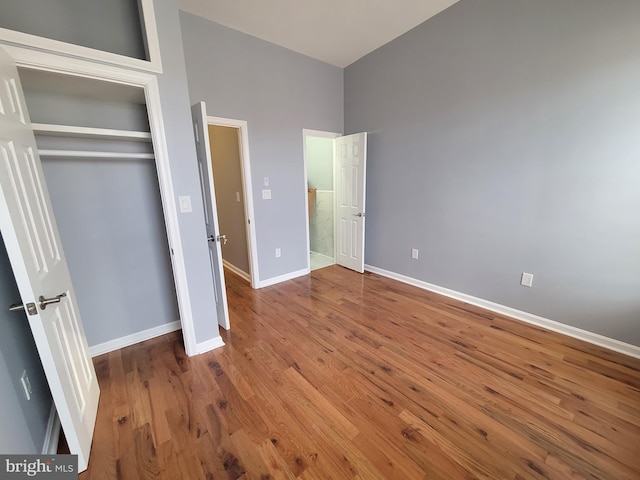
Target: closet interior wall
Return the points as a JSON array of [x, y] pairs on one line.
[[94, 142]]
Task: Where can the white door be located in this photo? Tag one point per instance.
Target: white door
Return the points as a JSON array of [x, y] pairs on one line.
[[39, 266], [199, 115], [351, 161]]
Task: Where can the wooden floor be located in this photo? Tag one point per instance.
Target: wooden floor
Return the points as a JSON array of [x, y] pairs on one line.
[[346, 376]]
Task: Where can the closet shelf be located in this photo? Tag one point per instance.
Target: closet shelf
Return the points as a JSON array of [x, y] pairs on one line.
[[90, 132], [90, 154]]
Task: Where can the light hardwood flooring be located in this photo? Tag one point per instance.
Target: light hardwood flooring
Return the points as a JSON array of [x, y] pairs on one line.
[[339, 375]]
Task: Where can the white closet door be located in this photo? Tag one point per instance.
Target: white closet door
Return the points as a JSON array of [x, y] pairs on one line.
[[35, 252]]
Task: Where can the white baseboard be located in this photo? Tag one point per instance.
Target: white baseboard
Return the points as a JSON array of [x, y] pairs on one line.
[[52, 435], [324, 256], [236, 270], [137, 337], [209, 345], [585, 335], [282, 278]]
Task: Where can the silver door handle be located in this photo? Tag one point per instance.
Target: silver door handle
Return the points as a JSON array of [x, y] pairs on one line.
[[218, 238], [360, 214], [48, 301], [30, 308]]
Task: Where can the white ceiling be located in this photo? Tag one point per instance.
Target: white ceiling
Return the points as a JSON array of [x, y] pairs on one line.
[[334, 31]]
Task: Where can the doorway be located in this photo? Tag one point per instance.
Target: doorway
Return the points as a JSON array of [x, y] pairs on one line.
[[320, 180], [230, 163]]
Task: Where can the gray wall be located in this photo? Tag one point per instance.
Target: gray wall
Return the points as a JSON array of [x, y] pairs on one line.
[[504, 138], [23, 422], [227, 177], [278, 92], [113, 26], [110, 221], [174, 95]]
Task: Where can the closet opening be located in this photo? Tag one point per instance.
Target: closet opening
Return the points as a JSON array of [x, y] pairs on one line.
[[95, 143]]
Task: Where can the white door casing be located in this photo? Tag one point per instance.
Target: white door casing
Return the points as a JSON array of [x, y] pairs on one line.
[[351, 162], [35, 251], [201, 134]]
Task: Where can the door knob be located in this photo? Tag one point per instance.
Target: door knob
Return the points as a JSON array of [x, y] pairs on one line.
[[48, 301], [360, 214], [218, 238]]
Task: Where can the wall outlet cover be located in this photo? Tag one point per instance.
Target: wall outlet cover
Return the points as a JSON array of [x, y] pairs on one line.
[[266, 194], [278, 253], [414, 253], [527, 279]]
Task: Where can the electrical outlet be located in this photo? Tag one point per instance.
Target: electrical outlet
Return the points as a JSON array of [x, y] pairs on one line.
[[26, 384], [266, 194], [278, 253], [414, 253], [527, 279]]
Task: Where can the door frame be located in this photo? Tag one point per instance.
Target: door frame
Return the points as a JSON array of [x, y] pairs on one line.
[[50, 62], [316, 133], [245, 169]]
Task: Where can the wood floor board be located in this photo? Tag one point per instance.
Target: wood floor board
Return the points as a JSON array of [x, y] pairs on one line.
[[339, 375]]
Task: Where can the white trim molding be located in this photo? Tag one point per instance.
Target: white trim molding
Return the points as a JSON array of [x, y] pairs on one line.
[[209, 345], [132, 339], [52, 434], [232, 268], [574, 332], [283, 278], [150, 36]]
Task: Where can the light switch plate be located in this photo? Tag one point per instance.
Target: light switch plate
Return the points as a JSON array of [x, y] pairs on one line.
[[266, 181], [185, 203], [266, 194]]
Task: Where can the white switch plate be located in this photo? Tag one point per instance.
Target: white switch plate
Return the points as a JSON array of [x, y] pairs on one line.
[[414, 253], [185, 203], [527, 279], [278, 253], [237, 196], [266, 194], [266, 181]]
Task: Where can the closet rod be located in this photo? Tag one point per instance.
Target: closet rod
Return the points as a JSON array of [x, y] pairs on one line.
[[90, 154]]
